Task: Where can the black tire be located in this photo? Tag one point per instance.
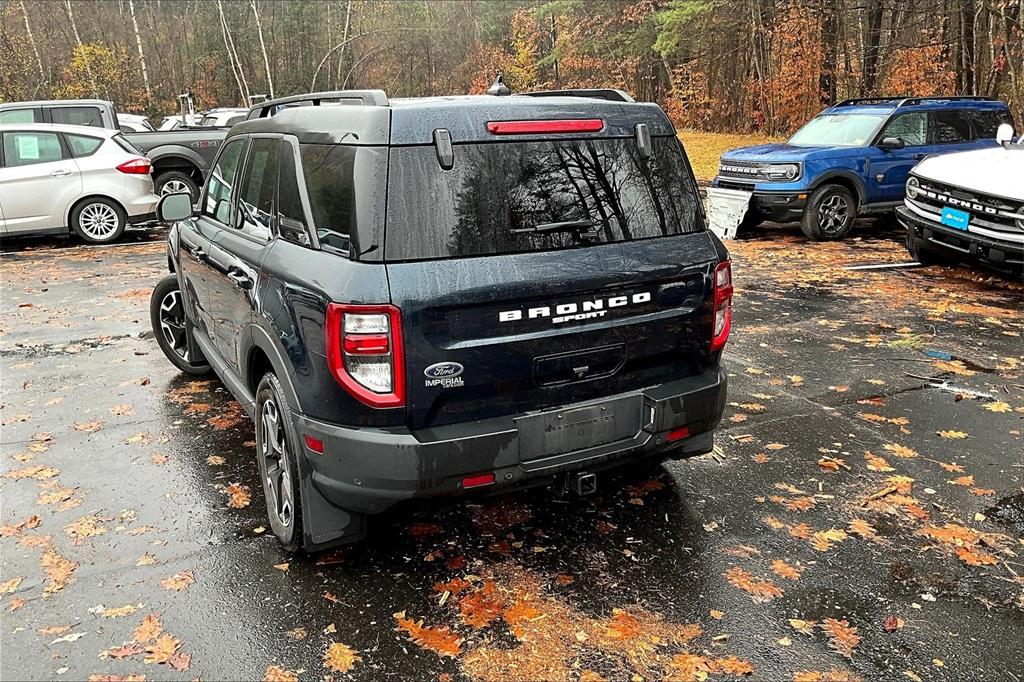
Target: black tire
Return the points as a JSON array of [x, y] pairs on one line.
[[98, 220], [829, 213], [278, 463], [168, 319], [168, 182]]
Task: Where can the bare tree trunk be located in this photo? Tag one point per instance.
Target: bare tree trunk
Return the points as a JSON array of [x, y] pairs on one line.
[[344, 40], [142, 57], [35, 50], [229, 45], [869, 73], [967, 56], [263, 47], [78, 41]]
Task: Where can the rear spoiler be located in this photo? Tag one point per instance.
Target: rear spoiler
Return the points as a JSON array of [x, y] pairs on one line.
[[609, 94], [369, 98]]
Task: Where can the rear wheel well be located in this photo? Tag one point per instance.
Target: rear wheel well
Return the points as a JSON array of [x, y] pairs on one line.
[[177, 163], [259, 364]]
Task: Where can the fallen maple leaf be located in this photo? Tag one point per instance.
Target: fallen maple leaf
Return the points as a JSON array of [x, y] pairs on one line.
[[57, 568], [123, 410], [964, 480], [85, 527], [862, 528], [824, 539], [215, 460], [876, 463], [125, 610], [774, 446], [178, 581], [148, 629], [804, 627], [11, 585], [760, 590], [180, 661], [238, 495], [956, 435], [998, 407], [892, 623], [277, 674], [975, 557], [843, 637], [88, 427], [441, 641], [340, 658], [952, 468], [901, 450], [38, 472], [146, 559], [784, 569], [480, 607], [162, 648]]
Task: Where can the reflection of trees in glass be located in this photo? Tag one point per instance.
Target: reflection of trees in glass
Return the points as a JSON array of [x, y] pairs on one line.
[[498, 188]]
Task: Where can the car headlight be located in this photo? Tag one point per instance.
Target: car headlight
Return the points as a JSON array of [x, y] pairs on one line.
[[913, 187], [782, 171]]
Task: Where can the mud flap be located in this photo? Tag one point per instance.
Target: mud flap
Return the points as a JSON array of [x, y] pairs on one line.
[[726, 209], [323, 524]]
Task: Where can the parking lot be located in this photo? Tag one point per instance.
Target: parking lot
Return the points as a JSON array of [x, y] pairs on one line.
[[857, 521]]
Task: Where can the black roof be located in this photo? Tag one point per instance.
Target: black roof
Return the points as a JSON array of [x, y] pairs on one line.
[[370, 118]]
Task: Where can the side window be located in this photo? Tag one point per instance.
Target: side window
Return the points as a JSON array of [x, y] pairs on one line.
[[259, 187], [950, 127], [218, 188], [328, 170], [79, 116], [987, 121], [291, 223], [911, 128], [83, 145], [25, 149], [21, 116]]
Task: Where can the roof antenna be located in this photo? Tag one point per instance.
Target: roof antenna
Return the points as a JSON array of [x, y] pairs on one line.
[[498, 87]]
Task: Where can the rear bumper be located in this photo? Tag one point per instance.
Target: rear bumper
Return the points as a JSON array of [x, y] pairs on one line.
[[938, 237], [369, 470]]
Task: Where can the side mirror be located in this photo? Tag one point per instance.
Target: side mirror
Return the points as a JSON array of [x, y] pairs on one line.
[[890, 143], [174, 207], [1004, 134]]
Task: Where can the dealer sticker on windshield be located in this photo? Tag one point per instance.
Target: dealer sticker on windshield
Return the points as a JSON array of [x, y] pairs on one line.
[[955, 218]]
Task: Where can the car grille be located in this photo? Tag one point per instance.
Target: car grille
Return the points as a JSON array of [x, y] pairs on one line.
[[750, 170], [988, 211]]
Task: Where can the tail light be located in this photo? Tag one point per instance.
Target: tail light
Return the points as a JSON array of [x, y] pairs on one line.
[[723, 305], [136, 166], [364, 352], [573, 125]]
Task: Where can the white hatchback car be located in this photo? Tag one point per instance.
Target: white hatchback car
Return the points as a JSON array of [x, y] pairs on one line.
[[56, 177]]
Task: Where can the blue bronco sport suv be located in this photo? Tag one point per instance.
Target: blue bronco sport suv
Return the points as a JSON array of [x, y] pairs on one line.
[[853, 159]]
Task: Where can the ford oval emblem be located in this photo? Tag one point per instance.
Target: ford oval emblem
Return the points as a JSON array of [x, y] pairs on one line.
[[440, 370]]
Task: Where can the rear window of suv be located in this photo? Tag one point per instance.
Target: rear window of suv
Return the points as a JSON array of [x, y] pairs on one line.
[[515, 197]]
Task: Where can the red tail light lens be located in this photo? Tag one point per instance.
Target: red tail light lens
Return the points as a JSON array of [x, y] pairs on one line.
[[723, 305], [364, 352], [136, 166], [577, 125]]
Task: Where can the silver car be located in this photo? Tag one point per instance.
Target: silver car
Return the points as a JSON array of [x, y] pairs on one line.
[[59, 177]]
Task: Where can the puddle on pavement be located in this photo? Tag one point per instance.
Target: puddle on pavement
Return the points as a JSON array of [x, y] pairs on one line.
[[1009, 512]]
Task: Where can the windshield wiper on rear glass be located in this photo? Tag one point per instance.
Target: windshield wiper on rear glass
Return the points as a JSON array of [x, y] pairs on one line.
[[581, 229]]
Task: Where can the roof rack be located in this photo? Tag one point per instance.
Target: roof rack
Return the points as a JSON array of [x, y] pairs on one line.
[[609, 94], [904, 101], [371, 98]]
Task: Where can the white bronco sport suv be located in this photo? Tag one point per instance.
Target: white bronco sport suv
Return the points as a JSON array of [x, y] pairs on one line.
[[968, 205]]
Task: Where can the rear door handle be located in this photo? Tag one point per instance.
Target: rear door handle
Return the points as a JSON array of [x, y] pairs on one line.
[[60, 173], [197, 252], [239, 278]]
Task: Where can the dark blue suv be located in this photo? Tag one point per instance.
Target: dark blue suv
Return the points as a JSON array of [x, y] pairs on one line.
[[447, 295], [853, 159]]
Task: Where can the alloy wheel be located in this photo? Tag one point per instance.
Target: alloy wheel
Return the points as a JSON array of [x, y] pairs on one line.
[[98, 221], [174, 187], [833, 214], [277, 464], [172, 324]]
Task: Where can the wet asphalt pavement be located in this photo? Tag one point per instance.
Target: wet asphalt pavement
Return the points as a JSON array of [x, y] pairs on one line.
[[854, 522]]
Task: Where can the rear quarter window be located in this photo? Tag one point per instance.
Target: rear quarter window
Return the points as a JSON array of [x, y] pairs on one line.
[[510, 197], [83, 145], [79, 116]]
